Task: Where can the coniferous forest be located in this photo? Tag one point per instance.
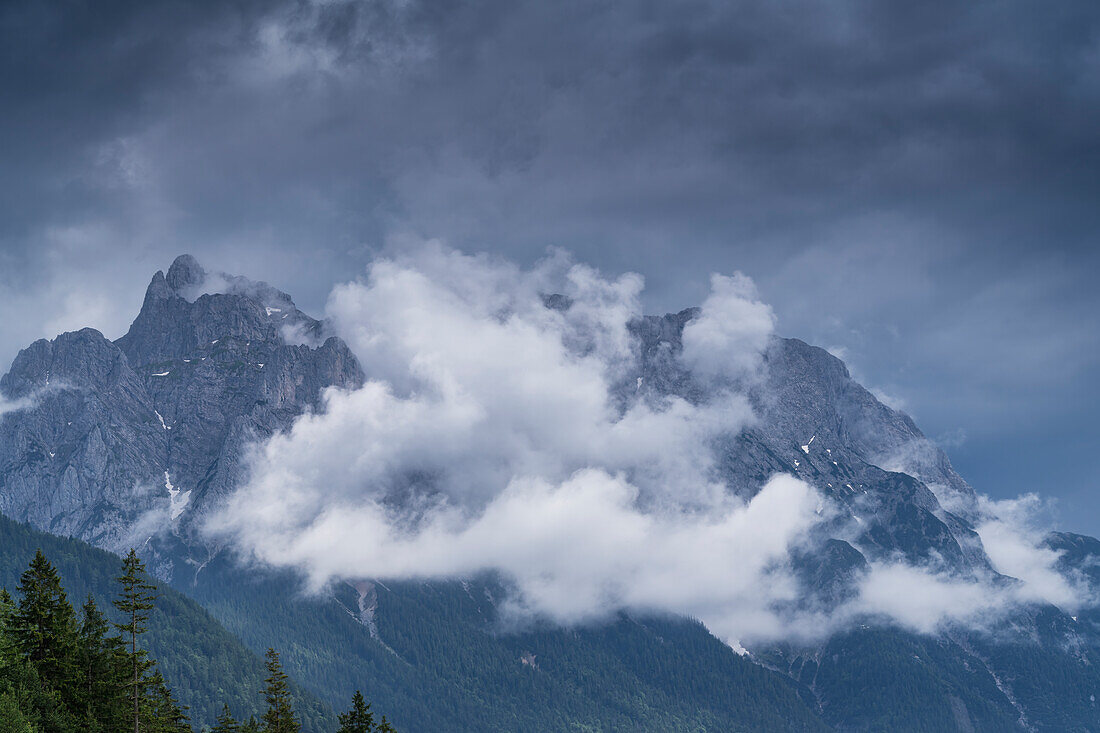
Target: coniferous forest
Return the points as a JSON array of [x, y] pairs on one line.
[[88, 670]]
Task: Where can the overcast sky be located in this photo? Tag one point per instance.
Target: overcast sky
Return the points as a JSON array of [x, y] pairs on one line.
[[915, 186]]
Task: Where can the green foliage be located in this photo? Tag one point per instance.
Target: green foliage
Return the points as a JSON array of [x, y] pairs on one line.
[[279, 717], [50, 675], [359, 719], [887, 679], [43, 626], [161, 713], [206, 664], [61, 676], [137, 597], [12, 717], [101, 662], [439, 659], [226, 723], [8, 651], [883, 679]]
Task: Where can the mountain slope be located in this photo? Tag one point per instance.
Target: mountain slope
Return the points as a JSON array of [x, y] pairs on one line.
[[435, 657], [205, 664]]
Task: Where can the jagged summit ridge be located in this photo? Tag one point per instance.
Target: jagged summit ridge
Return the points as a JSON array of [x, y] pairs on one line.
[[129, 440], [214, 362], [190, 307]]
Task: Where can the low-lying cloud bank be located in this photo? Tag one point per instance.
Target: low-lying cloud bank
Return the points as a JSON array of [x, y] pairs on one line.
[[499, 433]]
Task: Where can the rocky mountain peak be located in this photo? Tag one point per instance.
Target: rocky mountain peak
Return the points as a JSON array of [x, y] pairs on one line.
[[192, 308], [78, 359], [185, 272], [122, 442]]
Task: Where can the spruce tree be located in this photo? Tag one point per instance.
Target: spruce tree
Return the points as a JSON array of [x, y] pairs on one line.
[[280, 717], [101, 699], [226, 722], [164, 714], [44, 625], [359, 719], [13, 718], [135, 601], [8, 651]]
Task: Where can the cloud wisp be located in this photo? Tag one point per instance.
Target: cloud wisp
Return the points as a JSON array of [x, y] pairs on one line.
[[500, 430]]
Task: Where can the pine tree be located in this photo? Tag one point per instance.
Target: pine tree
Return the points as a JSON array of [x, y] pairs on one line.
[[385, 727], [44, 625], [251, 726], [135, 601], [226, 723], [8, 651], [13, 719], [359, 719], [164, 714], [37, 701], [280, 717], [101, 698]]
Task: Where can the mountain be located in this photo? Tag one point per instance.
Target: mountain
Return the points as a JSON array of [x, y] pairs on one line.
[[817, 423], [131, 438], [132, 442]]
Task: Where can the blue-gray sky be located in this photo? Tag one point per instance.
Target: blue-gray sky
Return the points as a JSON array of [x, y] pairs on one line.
[[913, 185]]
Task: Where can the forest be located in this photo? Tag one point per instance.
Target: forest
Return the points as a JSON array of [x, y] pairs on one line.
[[88, 671]]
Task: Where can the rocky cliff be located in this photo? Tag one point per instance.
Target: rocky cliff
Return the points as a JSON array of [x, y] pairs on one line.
[[125, 440]]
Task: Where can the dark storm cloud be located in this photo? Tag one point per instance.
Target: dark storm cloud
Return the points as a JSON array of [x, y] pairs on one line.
[[914, 183]]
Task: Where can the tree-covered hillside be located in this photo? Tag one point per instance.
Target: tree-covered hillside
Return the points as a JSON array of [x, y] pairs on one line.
[[205, 665], [436, 657]]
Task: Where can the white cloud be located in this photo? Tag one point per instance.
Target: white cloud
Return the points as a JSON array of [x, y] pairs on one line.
[[1013, 539], [489, 436], [579, 549], [924, 600], [31, 400], [731, 332], [893, 401], [7, 405]]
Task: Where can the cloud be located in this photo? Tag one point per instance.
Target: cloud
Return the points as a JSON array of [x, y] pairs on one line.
[[925, 600], [732, 330], [30, 401], [490, 437], [1013, 536], [498, 433], [7, 406]]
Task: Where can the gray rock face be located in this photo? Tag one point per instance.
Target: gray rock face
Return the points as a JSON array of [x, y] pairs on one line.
[[126, 440], [817, 423], [81, 459]]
